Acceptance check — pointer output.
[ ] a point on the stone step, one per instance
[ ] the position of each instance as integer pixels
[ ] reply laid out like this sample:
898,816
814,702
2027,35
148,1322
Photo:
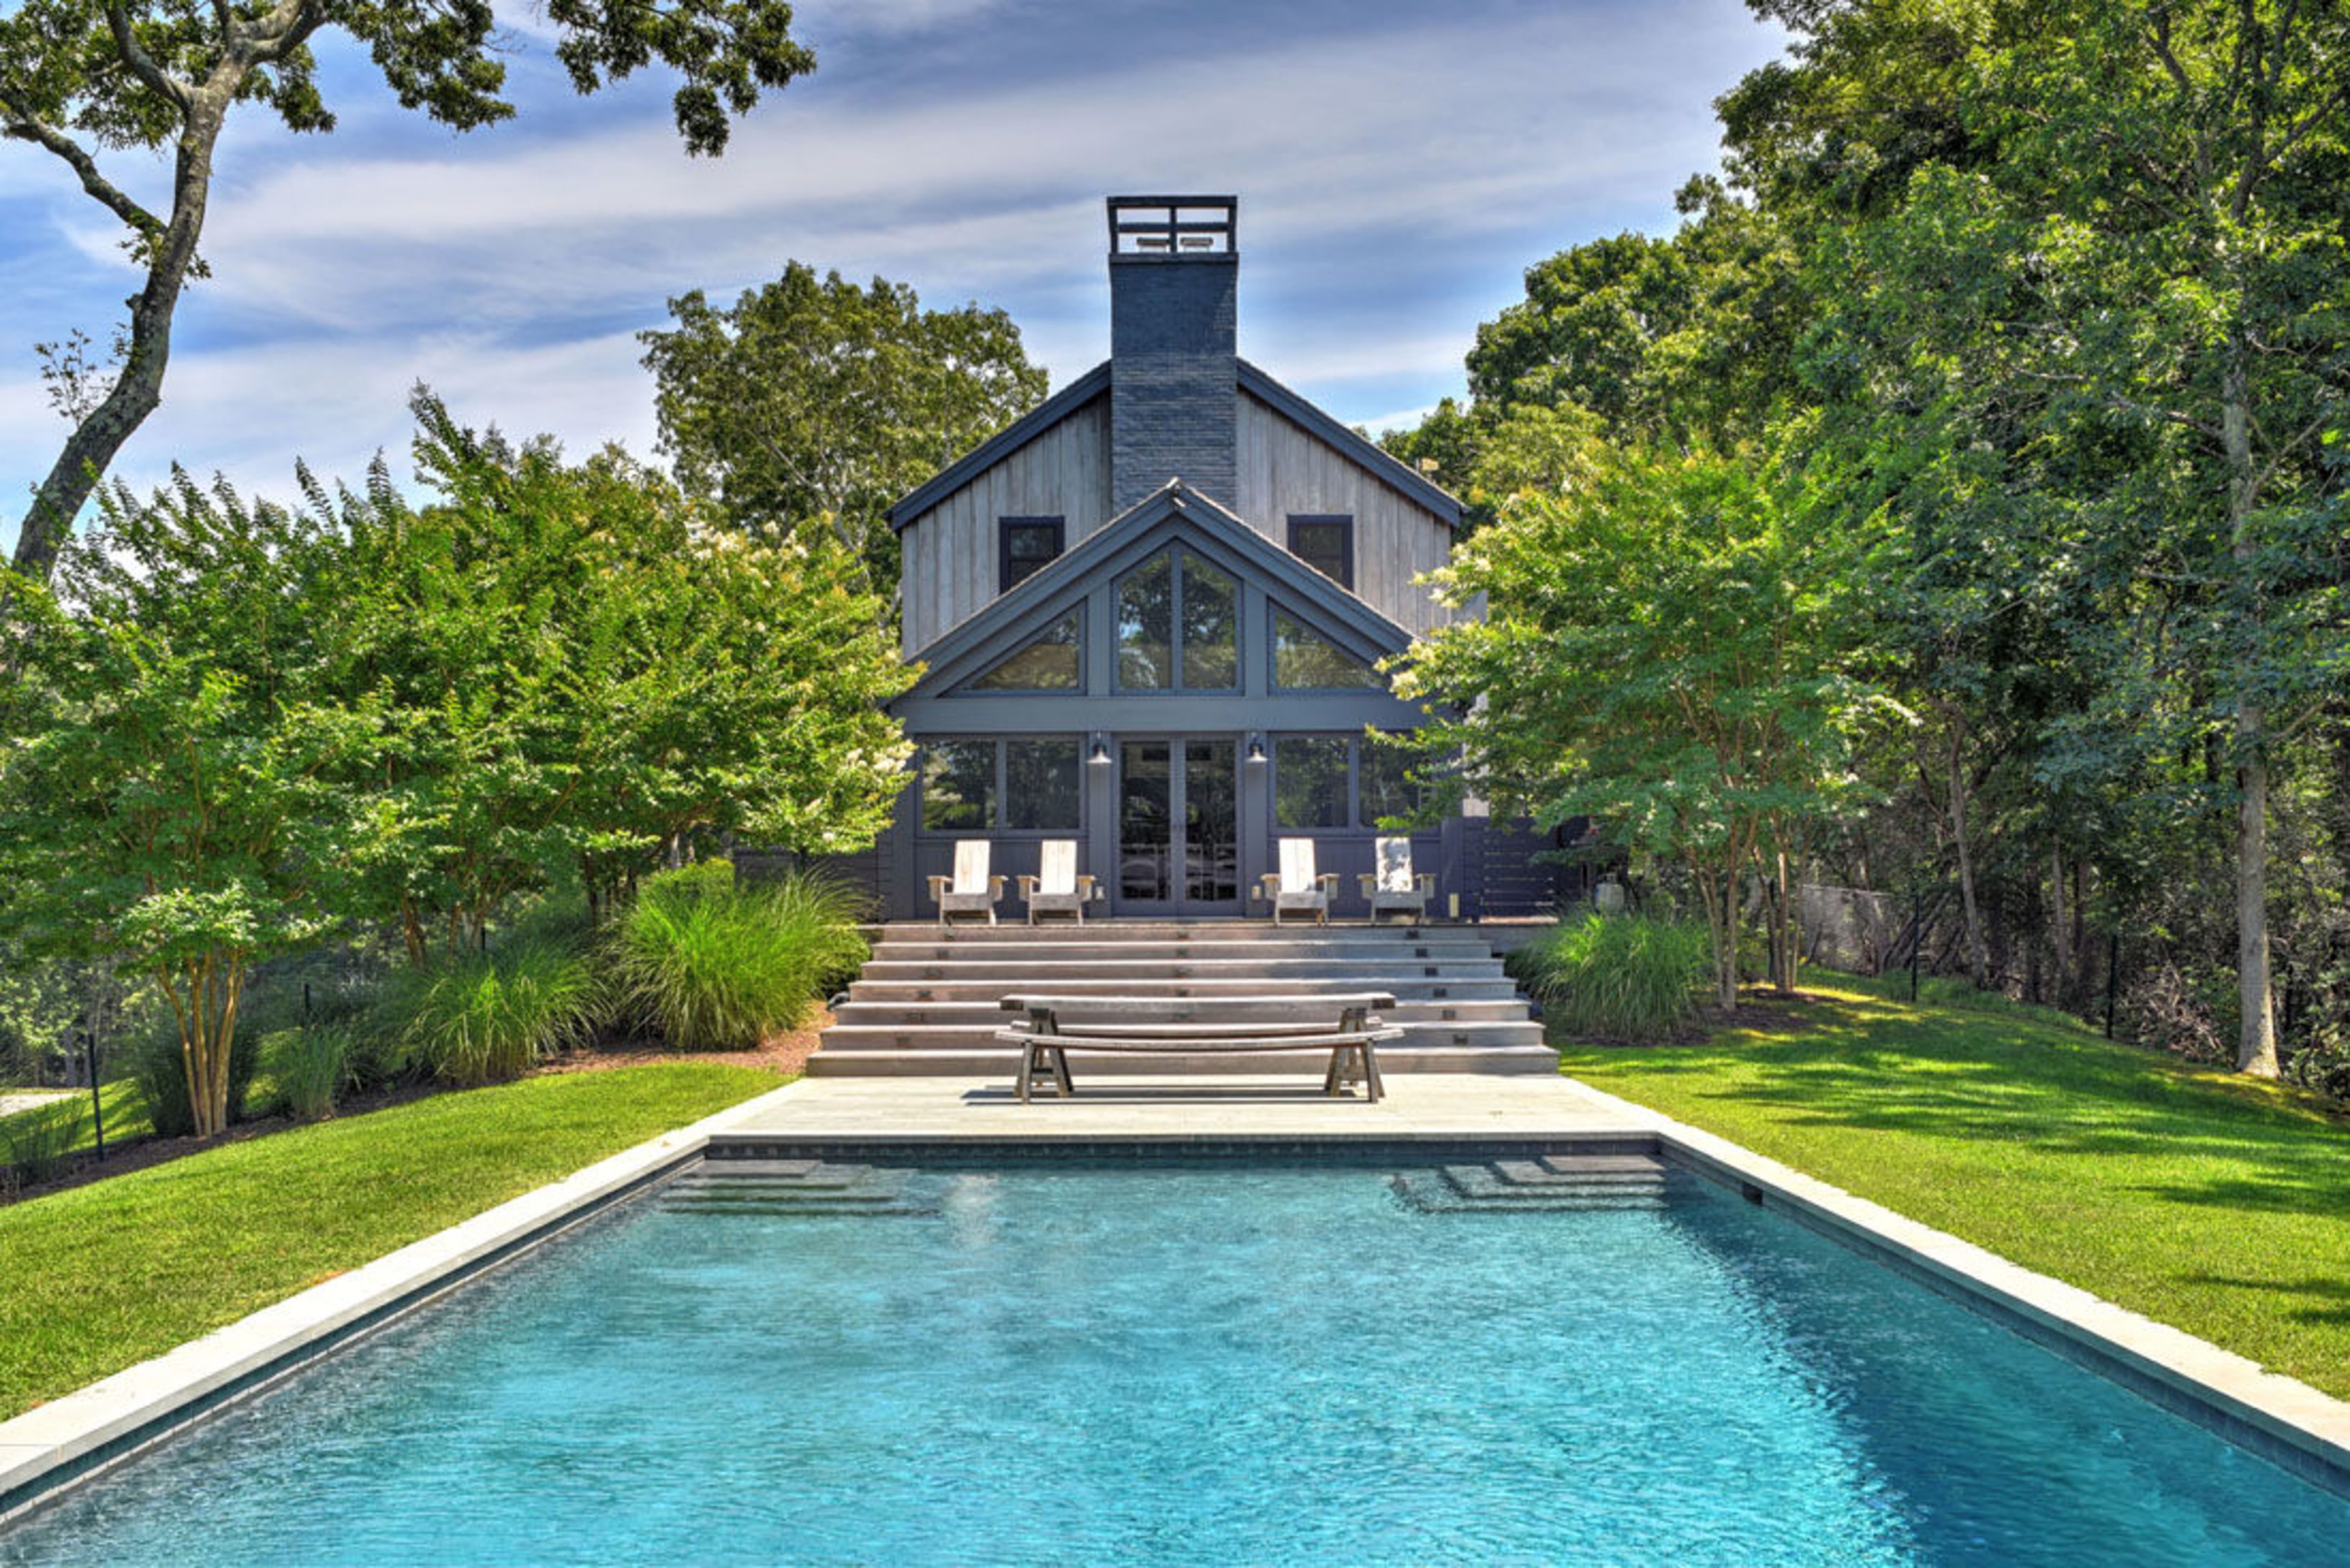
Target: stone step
1429,1192
987,1013
1147,931
990,990
1484,1184
979,1036
1261,944
1002,1062
796,1188
1037,976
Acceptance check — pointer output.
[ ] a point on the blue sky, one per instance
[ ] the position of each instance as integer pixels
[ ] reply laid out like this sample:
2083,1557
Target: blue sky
1398,165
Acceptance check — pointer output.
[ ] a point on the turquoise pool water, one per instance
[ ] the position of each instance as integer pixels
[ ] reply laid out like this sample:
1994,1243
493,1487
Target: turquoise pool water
1191,1365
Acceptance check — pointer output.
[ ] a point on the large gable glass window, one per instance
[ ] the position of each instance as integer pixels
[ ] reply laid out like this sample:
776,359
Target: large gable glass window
1051,664
1305,660
1167,592
1025,546
1025,786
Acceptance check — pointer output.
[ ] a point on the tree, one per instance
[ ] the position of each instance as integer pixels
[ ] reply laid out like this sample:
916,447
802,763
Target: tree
1672,645
814,400
80,77
2100,245
176,789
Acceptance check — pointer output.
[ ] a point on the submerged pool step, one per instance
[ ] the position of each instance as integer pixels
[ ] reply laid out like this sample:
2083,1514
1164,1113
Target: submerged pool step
1553,1184
797,1188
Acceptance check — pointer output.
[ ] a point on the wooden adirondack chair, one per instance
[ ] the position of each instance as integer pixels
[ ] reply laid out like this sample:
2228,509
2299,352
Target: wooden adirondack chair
1394,886
1057,889
1297,887
970,890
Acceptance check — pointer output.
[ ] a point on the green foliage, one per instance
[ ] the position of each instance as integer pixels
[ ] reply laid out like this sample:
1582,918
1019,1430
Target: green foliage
310,1068
37,1145
104,1276
474,1018
1676,645
1623,977
711,966
815,402
152,1059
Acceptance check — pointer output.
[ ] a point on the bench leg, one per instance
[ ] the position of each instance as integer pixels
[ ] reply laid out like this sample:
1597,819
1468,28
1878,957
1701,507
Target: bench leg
1336,1073
1372,1082
1027,1072
1060,1071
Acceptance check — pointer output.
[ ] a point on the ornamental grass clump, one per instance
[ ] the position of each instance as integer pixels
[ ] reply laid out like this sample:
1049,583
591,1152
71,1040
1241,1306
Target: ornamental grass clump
710,965
486,1018
1620,977
311,1068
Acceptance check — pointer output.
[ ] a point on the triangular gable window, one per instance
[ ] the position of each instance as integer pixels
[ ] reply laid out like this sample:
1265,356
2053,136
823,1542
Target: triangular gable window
1051,664
1305,660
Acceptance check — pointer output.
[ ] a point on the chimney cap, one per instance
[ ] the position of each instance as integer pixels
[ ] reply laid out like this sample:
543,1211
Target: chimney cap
1174,228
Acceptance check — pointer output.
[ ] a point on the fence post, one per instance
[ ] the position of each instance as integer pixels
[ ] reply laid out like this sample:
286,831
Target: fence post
1917,935
97,1101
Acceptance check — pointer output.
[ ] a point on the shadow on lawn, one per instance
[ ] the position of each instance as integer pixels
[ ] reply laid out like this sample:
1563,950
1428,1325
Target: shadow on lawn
2302,1297
1993,1080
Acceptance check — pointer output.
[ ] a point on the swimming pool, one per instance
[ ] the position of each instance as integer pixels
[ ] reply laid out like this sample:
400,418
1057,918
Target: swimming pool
1205,1363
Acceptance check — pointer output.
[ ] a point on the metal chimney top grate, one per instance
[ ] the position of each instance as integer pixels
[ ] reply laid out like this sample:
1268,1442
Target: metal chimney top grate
1174,226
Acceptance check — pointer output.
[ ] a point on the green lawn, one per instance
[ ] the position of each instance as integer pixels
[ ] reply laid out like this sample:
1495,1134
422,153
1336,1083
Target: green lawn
100,1277
126,1114
2215,1203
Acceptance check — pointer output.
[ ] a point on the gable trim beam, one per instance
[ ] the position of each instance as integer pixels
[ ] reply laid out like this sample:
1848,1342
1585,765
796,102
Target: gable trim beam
1367,454
1002,445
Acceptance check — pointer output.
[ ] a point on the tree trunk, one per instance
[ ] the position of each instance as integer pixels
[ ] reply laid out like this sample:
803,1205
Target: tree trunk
2256,1041
1978,953
1718,889
138,390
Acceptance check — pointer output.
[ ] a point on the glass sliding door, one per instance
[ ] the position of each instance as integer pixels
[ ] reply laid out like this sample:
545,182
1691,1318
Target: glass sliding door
1178,826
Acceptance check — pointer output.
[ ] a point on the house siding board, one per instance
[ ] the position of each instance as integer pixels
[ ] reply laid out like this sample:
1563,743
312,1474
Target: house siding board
951,548
1285,468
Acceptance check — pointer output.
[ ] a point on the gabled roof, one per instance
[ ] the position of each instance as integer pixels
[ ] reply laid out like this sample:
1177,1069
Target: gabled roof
1137,532
1366,454
1002,444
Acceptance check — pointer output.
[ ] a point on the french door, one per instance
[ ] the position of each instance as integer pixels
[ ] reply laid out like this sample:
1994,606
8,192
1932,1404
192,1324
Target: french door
1178,843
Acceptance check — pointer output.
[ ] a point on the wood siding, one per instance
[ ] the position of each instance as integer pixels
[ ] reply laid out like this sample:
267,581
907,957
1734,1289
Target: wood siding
1283,468
951,550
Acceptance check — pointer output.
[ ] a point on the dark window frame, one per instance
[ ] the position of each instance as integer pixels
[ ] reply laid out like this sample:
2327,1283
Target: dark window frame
1278,610
1000,803
1357,823
971,686
1004,581
1179,673
1345,522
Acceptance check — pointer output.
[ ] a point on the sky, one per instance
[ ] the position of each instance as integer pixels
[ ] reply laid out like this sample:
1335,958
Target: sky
1399,167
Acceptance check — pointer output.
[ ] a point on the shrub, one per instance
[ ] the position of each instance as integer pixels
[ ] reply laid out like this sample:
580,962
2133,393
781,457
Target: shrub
1623,977
715,966
486,1018
156,1065
310,1067
38,1144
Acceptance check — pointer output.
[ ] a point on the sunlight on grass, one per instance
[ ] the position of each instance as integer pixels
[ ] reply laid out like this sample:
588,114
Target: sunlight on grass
2203,1199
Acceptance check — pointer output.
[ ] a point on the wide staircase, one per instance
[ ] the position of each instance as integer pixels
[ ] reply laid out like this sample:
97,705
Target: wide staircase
930,1001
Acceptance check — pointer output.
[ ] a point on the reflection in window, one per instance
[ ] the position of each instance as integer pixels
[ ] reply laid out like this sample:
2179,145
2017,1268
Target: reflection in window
1146,622
1028,545
958,786
1309,781
1047,664
1210,628
1326,545
1040,783
1381,784
1305,660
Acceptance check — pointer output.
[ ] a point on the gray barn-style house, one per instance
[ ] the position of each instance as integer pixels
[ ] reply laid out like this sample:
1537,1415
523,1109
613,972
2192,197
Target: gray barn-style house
1150,613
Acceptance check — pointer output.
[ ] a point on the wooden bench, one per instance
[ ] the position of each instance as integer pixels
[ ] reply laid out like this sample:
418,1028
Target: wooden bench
1342,1023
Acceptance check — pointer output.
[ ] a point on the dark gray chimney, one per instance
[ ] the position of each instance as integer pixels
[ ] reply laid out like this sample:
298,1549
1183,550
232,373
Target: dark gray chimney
1174,267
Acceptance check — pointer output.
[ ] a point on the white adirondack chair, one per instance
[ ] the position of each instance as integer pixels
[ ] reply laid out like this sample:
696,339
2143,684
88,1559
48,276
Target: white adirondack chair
1394,886
970,890
1057,889
1295,886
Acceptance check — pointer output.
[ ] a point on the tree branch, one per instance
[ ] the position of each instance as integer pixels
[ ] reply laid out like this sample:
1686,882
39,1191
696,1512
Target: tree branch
21,126
142,63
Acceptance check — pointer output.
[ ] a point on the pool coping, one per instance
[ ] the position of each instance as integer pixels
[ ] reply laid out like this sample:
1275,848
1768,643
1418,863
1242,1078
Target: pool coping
53,1446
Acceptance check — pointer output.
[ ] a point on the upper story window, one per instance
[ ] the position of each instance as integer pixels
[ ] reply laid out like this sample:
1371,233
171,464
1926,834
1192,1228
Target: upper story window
1326,545
1178,626
1025,545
